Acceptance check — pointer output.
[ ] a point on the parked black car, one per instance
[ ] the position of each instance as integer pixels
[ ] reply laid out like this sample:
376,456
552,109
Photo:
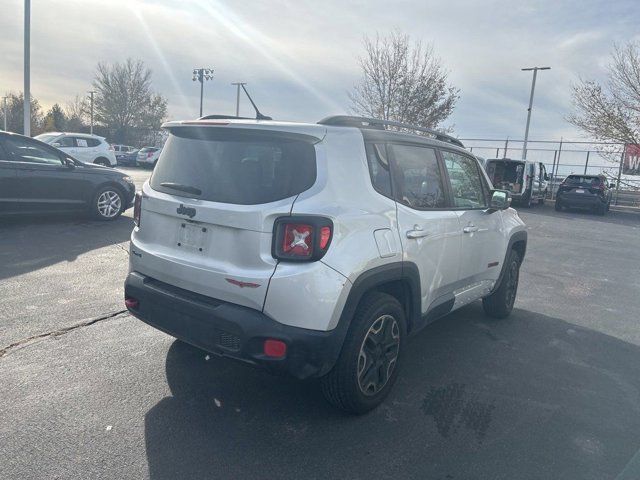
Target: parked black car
128,159
584,191
38,178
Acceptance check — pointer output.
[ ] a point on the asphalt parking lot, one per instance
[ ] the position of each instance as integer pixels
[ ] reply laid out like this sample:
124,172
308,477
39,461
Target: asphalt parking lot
86,391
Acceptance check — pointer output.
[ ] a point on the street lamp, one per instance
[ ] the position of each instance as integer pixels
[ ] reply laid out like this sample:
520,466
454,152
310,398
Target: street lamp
27,68
91,93
200,75
533,87
238,84
5,112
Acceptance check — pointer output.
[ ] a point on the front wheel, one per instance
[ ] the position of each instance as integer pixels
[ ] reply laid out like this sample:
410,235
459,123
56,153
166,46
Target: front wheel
368,364
500,303
558,206
108,204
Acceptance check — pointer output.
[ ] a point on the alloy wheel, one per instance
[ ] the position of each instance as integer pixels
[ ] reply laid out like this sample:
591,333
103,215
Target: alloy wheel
378,355
512,284
109,204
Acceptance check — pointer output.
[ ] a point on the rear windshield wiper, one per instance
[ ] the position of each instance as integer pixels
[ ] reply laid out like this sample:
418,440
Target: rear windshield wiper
182,188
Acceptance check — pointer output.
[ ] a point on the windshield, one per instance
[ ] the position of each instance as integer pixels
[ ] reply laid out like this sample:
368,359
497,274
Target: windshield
240,167
46,138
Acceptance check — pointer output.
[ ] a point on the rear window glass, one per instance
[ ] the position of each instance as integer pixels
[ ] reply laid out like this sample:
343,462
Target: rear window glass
244,167
148,149
584,179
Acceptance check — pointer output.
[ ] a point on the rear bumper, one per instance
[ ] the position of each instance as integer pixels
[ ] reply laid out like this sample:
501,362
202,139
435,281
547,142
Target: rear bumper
584,200
230,330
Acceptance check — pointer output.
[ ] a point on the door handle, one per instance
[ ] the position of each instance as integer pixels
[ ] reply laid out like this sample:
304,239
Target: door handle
470,229
417,232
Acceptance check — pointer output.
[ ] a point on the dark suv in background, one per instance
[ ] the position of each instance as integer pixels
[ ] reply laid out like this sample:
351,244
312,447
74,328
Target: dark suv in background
38,178
584,191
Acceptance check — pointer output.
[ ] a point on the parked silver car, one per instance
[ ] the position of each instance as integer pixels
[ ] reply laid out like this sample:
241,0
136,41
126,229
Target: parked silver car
317,249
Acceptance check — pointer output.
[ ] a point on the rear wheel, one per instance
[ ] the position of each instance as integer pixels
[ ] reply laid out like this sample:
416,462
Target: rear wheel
108,203
368,364
601,210
558,206
527,200
102,161
500,303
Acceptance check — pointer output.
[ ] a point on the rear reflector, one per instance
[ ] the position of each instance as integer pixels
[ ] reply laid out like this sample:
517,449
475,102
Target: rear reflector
275,348
130,302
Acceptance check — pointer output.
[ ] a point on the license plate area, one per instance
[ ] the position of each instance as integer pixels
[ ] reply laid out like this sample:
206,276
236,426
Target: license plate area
579,190
192,236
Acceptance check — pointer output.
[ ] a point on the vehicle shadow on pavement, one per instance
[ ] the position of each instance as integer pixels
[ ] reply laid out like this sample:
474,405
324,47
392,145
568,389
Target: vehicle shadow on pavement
32,243
528,397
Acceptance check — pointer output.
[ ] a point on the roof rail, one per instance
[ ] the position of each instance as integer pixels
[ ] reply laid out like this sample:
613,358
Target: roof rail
223,117
377,124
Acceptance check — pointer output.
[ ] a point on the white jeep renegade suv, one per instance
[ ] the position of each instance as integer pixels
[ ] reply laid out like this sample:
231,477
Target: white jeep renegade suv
317,249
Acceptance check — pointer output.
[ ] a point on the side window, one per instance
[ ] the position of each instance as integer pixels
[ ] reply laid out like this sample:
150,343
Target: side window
81,142
65,142
466,185
93,142
379,168
20,150
418,177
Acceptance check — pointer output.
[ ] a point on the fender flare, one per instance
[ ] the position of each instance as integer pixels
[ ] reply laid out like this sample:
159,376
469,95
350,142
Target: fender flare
407,272
519,236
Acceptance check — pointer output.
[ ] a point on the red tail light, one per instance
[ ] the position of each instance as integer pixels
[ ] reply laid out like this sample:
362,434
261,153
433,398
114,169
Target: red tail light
137,208
299,238
150,154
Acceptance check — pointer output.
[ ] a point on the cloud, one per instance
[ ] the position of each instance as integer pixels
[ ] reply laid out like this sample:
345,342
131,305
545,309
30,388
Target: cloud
300,58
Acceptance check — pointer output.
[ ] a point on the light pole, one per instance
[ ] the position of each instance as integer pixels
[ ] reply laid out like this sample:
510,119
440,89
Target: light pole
238,84
200,75
91,92
27,68
533,87
5,112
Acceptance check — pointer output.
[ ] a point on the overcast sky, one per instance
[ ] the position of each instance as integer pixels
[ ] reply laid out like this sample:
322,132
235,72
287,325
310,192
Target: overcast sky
299,58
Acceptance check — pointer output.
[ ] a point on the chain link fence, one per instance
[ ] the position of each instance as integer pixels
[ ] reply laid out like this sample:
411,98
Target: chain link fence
562,158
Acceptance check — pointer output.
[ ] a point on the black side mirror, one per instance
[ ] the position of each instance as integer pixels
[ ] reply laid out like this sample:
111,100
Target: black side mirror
70,164
500,200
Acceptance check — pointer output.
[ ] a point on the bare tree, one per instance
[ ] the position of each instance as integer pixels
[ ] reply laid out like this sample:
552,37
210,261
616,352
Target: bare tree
125,102
611,112
15,118
403,81
76,112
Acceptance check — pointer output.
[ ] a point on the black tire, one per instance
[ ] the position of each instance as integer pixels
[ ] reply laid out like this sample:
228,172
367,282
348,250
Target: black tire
102,161
360,380
105,206
500,303
527,200
601,210
558,206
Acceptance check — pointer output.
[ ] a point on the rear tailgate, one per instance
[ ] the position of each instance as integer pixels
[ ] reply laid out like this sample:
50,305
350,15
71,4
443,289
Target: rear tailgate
208,211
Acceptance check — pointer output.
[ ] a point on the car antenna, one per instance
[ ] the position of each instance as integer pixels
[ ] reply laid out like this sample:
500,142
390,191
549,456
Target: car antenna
259,116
